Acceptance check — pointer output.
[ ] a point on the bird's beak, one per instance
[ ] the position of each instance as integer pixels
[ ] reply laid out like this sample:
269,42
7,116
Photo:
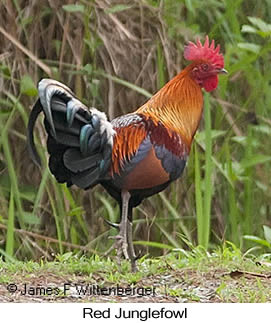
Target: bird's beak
222,71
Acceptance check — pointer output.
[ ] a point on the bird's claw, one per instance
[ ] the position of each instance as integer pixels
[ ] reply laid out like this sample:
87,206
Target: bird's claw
124,240
120,245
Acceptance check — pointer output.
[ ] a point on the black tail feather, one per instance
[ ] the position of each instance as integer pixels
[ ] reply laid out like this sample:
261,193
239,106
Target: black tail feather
79,140
73,160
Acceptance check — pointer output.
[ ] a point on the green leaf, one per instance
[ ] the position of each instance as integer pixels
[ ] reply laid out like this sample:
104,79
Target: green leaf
154,244
258,240
264,34
248,29
249,47
262,25
117,8
27,86
240,139
76,211
267,233
264,129
5,69
200,135
65,257
74,8
88,68
30,218
189,6
255,160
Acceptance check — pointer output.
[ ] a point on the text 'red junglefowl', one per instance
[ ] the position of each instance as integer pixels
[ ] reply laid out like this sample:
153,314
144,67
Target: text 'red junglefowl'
133,156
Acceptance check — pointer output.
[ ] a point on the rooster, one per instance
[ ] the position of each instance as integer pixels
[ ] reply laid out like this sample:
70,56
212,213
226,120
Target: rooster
135,155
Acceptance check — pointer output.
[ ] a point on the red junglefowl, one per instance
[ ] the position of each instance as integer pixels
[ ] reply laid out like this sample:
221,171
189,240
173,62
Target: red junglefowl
133,156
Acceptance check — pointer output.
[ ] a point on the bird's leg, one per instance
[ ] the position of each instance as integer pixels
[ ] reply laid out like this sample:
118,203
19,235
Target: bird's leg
124,240
131,251
130,240
121,243
125,196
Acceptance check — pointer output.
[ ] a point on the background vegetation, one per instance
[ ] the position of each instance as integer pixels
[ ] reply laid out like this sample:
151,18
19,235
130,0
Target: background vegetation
114,55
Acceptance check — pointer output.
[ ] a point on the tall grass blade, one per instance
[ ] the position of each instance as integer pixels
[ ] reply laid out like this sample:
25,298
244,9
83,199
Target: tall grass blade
248,189
10,226
208,186
233,213
199,199
176,215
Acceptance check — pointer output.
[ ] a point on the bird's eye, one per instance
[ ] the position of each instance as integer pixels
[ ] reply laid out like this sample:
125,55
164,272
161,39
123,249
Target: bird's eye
205,67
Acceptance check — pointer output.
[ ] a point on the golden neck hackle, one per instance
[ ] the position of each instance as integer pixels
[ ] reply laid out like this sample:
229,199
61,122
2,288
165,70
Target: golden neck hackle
178,105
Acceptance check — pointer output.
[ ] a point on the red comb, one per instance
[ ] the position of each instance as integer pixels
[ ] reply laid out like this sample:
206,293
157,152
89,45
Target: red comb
193,52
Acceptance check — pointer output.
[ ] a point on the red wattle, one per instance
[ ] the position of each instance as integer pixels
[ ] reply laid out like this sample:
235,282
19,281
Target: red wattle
210,83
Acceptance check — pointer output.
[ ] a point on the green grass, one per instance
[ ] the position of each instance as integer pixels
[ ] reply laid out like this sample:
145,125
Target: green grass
224,193
224,275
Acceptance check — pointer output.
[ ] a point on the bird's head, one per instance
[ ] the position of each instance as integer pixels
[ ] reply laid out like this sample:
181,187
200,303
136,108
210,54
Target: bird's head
207,63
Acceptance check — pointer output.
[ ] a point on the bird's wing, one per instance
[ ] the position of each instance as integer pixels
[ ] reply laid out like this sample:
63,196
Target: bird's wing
80,140
136,135
170,148
130,132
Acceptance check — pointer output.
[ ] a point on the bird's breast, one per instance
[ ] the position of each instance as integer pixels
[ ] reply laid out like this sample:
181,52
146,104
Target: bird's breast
148,173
